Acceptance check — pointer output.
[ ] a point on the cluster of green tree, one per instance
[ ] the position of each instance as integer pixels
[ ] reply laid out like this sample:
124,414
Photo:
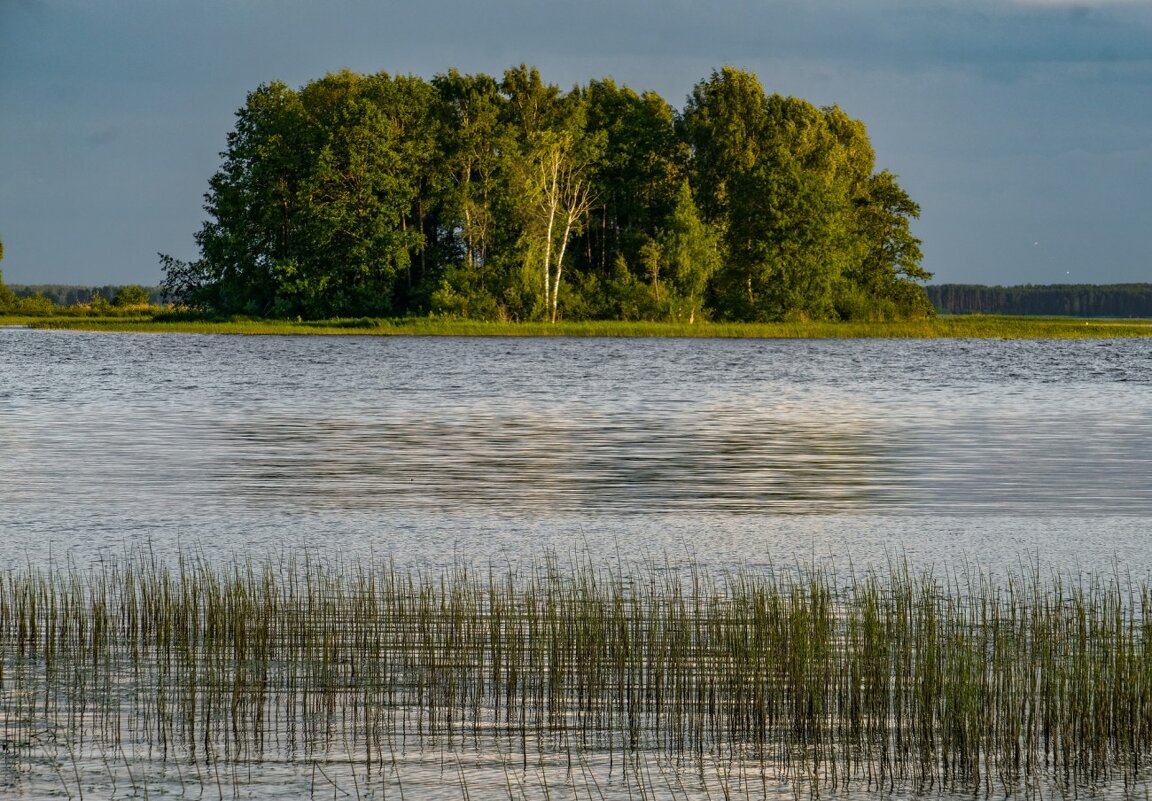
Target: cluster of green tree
70,295
510,199
1071,300
46,299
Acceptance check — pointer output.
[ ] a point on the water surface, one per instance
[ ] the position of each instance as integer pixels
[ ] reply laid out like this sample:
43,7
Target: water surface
430,451
733,451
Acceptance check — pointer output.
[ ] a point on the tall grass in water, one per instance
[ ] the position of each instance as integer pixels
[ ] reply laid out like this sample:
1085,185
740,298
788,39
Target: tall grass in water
902,680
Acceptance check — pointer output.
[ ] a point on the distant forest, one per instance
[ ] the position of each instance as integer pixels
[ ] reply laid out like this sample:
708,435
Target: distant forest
1061,300
1070,300
507,198
68,295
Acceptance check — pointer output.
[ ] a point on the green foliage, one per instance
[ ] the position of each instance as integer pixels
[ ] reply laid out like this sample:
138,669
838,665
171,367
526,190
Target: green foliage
51,300
29,306
7,298
778,178
463,295
689,253
134,295
477,197
65,295
100,304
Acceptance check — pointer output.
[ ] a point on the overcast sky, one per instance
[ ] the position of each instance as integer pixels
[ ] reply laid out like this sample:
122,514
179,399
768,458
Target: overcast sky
1022,127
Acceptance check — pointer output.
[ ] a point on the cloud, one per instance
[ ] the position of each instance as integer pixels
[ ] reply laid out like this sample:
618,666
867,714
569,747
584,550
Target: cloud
104,136
1083,4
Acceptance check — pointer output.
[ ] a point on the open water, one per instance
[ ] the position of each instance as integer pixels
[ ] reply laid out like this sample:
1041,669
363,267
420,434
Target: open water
430,451
436,449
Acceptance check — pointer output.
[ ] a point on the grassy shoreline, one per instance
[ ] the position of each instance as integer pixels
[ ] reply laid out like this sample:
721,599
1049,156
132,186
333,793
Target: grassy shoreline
946,327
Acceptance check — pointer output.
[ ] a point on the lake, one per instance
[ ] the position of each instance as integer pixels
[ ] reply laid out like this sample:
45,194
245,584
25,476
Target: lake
433,449
429,452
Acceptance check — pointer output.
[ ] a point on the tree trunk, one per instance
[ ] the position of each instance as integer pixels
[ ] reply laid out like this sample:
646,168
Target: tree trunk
551,181
560,266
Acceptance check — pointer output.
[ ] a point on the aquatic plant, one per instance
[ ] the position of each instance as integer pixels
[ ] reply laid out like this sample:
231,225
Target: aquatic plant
964,682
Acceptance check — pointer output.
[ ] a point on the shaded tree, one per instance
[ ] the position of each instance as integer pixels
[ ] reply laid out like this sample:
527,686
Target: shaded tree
473,140
766,178
888,271
637,176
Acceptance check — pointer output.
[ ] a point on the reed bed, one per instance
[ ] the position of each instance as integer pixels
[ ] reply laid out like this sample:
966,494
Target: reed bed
880,681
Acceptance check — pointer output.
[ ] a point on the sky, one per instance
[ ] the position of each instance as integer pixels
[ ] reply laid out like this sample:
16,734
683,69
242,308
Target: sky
1023,128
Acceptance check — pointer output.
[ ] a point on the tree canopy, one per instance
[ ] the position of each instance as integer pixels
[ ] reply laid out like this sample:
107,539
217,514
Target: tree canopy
509,198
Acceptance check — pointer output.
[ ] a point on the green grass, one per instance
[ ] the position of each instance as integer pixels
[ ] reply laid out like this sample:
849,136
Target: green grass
970,326
904,679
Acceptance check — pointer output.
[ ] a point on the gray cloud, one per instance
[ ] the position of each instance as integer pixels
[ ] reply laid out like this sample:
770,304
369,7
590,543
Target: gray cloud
104,136
997,114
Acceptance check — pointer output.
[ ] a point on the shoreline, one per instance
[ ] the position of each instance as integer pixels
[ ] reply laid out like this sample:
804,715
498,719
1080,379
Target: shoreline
947,327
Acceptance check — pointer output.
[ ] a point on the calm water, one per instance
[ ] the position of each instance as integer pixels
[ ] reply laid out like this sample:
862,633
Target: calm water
434,449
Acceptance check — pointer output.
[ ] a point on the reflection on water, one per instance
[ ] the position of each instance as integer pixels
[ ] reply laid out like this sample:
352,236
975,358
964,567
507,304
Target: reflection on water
427,446
542,461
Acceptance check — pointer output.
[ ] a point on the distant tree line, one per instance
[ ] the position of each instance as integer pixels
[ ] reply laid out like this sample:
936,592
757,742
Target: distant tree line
507,198
47,299
1071,300
70,295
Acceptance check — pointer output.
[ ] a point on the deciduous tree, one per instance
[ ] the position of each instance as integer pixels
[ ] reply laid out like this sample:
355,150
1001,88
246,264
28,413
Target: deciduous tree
690,250
510,198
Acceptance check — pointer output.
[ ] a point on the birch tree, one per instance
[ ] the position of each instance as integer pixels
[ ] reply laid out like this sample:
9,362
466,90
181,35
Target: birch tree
563,196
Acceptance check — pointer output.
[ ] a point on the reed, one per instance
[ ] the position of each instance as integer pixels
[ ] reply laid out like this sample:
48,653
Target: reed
890,680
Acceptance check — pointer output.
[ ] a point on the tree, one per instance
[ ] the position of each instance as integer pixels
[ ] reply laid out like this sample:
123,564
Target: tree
788,238
311,207
690,252
258,216
549,164
374,194
134,295
412,107
808,231
7,298
723,124
472,138
636,177
766,178
892,254
561,195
